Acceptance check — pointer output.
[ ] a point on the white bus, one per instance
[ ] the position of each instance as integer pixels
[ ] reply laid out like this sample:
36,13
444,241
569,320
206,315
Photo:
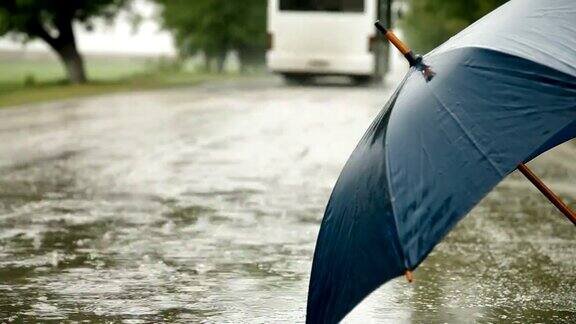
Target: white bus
309,38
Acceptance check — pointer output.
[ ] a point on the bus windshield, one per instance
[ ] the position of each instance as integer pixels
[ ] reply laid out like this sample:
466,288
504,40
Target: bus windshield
322,5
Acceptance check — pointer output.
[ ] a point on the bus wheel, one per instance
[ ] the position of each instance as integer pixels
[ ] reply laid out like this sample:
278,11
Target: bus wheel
296,78
361,80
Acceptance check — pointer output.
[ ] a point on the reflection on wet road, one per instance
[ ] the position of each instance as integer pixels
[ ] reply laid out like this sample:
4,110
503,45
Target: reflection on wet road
203,204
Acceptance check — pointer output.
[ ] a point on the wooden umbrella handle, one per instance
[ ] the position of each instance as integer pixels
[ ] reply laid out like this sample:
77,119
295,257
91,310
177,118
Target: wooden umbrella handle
403,48
554,199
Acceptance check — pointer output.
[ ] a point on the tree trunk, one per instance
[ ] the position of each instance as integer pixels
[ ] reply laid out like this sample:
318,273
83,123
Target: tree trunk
220,61
244,59
251,57
65,46
73,62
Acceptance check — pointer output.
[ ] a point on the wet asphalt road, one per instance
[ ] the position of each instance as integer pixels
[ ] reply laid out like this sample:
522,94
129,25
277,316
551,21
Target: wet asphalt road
203,204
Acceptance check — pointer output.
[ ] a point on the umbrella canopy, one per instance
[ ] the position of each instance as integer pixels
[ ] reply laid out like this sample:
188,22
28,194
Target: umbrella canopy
504,92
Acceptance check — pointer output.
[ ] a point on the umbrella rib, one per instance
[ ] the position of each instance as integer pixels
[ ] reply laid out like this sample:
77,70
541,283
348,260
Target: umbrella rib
469,136
390,194
389,180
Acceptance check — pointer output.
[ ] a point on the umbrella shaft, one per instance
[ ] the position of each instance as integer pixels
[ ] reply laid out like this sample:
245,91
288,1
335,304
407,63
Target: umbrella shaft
554,199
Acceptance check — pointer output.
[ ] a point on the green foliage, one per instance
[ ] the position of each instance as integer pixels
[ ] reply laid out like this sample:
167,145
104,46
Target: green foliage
428,23
28,16
215,27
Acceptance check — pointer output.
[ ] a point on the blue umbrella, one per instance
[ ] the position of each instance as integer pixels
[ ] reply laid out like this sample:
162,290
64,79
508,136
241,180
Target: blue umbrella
504,91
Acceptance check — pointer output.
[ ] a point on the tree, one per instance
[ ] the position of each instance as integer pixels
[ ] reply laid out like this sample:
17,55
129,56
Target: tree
216,27
428,23
52,21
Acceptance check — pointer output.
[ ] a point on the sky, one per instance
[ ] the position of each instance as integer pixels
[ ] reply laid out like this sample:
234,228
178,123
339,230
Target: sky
118,38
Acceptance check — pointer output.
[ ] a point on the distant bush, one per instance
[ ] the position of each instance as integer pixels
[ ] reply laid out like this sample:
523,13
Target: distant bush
217,27
29,80
164,64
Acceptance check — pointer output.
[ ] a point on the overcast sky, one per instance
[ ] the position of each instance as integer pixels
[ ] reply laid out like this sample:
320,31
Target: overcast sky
119,38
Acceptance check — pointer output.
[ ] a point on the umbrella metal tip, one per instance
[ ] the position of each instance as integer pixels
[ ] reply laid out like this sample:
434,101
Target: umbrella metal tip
418,63
428,73
409,276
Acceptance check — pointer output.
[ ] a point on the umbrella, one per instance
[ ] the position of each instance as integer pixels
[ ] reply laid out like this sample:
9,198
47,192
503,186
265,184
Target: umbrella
504,91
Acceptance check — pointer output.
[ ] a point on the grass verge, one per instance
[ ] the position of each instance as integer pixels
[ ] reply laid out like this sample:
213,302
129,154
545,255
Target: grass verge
14,95
34,78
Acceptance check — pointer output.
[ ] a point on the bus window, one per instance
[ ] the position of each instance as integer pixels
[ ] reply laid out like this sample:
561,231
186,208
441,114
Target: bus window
322,5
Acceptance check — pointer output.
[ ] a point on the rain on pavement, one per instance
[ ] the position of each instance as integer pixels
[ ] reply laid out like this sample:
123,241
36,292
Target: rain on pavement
203,205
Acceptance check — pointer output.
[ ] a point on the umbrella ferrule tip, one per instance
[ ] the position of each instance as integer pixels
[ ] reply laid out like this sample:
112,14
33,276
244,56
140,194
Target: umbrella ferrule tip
409,276
428,73
418,63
